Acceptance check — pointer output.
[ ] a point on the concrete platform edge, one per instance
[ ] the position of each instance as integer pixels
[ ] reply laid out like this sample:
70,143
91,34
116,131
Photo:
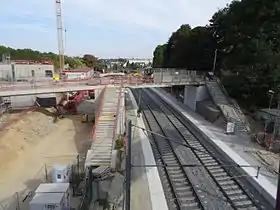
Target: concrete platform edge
158,200
261,183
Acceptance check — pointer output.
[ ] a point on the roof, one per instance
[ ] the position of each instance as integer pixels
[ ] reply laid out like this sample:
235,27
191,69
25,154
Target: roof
47,198
52,188
77,70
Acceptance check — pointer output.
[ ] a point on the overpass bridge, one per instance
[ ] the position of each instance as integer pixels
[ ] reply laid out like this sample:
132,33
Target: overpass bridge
162,78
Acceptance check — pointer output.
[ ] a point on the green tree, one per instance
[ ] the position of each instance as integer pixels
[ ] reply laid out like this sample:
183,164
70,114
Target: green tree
158,58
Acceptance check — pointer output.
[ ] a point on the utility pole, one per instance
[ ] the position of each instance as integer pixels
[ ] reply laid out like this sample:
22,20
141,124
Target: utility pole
271,94
65,40
59,35
215,60
278,186
128,165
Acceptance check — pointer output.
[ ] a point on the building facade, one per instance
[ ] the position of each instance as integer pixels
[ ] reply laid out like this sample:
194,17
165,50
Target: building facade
26,70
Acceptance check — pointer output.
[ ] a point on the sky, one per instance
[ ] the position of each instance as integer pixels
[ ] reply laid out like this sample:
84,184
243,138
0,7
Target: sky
104,28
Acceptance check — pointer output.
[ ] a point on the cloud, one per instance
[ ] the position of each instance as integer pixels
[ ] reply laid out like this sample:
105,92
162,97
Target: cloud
102,27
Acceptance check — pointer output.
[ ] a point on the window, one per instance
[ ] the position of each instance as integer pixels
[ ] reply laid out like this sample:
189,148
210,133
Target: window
59,176
48,73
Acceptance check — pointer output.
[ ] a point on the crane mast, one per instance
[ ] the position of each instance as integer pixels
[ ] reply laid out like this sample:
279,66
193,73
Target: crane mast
59,35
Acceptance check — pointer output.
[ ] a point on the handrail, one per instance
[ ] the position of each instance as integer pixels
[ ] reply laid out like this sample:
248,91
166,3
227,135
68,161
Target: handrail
117,115
236,106
97,113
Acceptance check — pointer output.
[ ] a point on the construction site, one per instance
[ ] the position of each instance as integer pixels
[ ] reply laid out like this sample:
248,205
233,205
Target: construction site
35,138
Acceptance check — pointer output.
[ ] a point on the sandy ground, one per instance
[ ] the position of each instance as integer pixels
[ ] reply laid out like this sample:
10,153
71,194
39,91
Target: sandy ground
33,141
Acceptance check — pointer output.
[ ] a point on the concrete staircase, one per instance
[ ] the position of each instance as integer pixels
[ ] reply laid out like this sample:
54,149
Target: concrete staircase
100,152
229,108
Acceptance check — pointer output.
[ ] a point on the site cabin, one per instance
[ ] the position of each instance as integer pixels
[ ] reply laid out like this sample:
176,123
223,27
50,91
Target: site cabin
56,188
61,173
45,201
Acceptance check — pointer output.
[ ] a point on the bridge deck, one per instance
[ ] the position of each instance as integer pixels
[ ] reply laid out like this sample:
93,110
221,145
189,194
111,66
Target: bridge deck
100,152
27,89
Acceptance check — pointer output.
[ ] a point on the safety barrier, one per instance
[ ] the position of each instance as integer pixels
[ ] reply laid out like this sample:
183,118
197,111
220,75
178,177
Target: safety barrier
125,80
117,115
99,106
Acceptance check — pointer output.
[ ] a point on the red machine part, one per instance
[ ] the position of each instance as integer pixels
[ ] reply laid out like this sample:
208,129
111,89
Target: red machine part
71,104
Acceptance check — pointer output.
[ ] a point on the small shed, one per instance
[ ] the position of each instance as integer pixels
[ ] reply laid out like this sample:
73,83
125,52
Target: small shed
56,188
54,201
61,173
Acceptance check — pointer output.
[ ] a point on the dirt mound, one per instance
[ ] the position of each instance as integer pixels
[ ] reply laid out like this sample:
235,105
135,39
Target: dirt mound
28,130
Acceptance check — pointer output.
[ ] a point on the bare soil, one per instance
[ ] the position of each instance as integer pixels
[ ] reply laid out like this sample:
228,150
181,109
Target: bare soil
33,141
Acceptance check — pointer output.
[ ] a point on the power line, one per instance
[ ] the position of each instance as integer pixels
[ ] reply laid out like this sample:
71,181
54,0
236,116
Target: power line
192,148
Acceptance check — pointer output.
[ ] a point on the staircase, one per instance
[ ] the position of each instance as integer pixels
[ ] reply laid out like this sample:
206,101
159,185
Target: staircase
230,109
100,152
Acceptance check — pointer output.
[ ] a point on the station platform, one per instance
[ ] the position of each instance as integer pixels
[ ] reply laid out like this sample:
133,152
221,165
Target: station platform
231,145
147,190
105,132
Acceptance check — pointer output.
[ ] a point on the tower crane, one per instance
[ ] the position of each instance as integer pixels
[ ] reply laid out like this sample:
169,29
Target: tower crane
59,34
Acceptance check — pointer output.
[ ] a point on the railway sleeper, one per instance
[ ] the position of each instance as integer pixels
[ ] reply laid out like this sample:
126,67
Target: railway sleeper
203,155
211,164
234,192
243,204
222,174
248,208
216,171
239,197
222,178
227,182
229,187
213,167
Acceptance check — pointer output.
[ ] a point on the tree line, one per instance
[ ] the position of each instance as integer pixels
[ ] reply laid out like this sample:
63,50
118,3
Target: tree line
74,62
246,38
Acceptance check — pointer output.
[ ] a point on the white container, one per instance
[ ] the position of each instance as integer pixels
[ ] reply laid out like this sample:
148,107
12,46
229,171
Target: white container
61,173
47,201
230,128
56,188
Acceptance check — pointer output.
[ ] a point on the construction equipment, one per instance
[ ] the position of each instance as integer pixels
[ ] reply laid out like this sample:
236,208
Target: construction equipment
59,35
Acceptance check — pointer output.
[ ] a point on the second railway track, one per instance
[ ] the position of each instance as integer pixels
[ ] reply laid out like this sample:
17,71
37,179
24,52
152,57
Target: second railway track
206,183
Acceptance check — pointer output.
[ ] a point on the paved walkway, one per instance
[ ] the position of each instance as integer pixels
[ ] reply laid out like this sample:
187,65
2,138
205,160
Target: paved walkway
147,191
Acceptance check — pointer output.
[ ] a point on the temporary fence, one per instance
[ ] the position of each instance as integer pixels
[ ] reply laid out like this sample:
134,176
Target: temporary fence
20,200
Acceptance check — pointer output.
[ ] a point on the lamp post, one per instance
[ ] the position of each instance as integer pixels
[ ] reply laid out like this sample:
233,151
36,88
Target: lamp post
271,94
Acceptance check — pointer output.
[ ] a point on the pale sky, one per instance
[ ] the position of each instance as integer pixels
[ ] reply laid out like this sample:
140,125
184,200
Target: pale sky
105,28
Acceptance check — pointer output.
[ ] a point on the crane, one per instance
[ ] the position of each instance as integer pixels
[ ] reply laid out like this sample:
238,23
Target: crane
59,34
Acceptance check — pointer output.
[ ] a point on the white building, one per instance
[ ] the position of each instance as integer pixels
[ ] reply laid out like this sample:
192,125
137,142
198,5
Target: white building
26,70
76,74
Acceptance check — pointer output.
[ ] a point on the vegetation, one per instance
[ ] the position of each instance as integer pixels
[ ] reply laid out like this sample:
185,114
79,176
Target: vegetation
119,143
73,62
245,34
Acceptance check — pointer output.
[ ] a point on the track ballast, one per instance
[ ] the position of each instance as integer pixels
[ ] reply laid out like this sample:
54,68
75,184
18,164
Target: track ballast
195,178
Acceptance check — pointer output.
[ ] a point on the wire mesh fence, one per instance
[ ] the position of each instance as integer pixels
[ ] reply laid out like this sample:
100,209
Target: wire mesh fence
20,200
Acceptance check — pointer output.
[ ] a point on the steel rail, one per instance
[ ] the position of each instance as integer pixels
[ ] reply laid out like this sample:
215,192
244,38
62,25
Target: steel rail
183,191
236,193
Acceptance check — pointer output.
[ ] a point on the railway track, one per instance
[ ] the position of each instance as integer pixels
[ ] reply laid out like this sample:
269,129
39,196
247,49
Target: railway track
209,183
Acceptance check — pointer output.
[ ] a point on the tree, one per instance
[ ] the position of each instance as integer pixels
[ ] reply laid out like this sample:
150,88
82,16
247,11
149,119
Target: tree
29,54
246,35
158,58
